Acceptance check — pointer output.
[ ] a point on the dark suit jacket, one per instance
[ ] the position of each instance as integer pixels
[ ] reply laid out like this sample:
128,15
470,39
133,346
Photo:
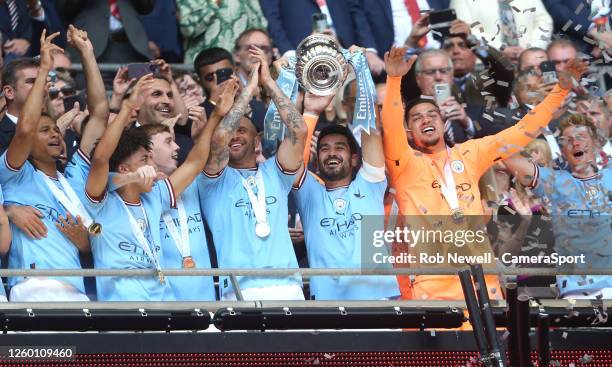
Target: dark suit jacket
162,28
563,10
289,22
7,131
93,16
379,16
24,27
52,23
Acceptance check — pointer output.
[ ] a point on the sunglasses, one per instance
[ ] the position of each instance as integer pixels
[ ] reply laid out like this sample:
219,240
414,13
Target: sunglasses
65,91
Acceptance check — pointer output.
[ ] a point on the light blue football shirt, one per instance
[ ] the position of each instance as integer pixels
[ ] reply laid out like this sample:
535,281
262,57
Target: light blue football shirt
118,248
2,290
332,229
25,186
228,211
188,288
582,220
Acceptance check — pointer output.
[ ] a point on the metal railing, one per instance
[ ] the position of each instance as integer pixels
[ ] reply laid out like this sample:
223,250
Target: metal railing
304,272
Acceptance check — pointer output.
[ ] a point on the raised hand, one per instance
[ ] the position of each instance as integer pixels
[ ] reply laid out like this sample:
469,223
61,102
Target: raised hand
226,98
78,39
570,76
121,82
521,205
395,62
315,105
164,69
264,70
47,49
419,29
137,97
170,122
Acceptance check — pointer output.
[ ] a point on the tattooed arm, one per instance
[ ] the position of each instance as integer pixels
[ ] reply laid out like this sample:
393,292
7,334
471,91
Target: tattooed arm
219,149
291,149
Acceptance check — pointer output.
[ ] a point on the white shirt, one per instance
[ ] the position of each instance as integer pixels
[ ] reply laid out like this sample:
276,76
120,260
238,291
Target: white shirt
12,118
402,24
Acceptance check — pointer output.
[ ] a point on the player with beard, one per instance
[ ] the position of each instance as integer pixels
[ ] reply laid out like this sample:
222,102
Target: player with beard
580,203
183,240
332,211
245,203
29,176
139,204
427,175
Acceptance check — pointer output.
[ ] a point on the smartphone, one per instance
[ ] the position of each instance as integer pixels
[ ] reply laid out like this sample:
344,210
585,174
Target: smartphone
412,51
138,70
440,21
442,92
224,74
549,72
319,22
71,100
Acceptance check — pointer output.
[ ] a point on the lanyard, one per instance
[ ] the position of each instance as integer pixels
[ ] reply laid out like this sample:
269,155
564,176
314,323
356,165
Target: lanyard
182,241
142,240
447,183
68,198
258,203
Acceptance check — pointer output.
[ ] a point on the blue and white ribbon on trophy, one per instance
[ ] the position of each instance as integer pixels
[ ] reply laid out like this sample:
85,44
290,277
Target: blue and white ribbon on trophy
274,129
364,116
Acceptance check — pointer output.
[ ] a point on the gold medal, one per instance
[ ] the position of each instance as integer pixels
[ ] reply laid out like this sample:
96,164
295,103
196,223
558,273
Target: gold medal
188,262
457,215
95,229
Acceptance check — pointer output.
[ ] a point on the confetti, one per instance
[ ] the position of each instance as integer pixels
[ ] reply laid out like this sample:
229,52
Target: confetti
566,25
329,356
589,40
564,335
474,24
503,83
543,30
432,333
488,82
516,9
577,27
586,359
579,8
487,116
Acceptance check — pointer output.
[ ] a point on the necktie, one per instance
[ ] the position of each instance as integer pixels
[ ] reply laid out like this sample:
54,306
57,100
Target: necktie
12,8
415,14
449,134
114,9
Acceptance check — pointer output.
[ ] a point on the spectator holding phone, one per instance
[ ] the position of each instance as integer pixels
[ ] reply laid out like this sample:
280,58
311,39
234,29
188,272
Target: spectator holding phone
511,27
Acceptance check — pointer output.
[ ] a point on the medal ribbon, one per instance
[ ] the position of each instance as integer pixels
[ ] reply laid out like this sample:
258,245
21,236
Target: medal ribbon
138,233
182,242
258,203
447,185
68,198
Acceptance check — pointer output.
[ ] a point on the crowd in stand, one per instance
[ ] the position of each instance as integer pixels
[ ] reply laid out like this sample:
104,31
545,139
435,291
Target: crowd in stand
502,115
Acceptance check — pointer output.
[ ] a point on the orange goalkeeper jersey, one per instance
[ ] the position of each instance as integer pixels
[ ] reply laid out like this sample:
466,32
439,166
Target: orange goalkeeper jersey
415,177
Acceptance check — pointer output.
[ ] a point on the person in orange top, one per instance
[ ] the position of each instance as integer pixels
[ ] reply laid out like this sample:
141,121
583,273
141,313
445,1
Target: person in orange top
433,179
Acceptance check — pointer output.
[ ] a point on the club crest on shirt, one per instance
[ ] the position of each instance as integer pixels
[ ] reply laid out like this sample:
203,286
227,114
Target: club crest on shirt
340,205
141,224
592,192
457,166
251,182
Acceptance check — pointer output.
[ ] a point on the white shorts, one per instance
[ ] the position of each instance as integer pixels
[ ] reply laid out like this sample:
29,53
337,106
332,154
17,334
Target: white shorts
45,290
290,292
604,293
